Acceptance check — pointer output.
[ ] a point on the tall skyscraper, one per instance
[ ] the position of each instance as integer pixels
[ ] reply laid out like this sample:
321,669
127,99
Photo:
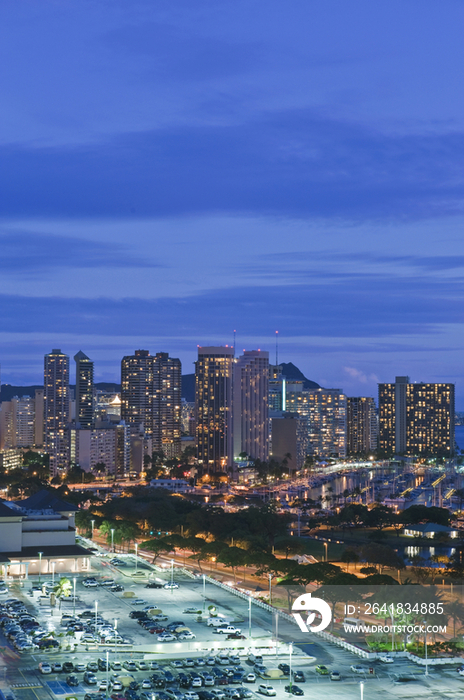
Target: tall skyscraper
56,409
251,405
137,390
151,397
416,419
361,425
326,413
167,375
213,400
84,391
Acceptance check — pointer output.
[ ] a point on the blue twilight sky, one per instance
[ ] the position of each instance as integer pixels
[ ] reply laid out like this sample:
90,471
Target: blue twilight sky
175,170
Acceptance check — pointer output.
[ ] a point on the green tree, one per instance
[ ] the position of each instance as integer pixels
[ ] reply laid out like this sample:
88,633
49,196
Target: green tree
63,589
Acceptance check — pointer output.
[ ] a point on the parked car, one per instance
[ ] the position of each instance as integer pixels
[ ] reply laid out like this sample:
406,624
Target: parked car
335,676
293,690
265,689
249,678
72,681
171,587
90,678
386,659
356,668
45,668
322,670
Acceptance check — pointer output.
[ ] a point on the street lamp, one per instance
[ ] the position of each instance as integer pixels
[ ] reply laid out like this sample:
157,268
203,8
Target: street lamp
136,548
40,565
426,661
249,617
93,525
115,640
107,669
112,539
277,633
290,649
270,589
172,576
74,597
326,547
204,592
361,686
53,572
96,608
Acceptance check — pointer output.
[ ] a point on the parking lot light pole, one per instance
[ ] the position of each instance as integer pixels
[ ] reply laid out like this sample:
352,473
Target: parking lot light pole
361,686
136,548
277,633
270,589
112,539
249,617
96,608
426,661
172,576
204,592
92,522
74,597
52,564
290,648
40,564
115,640
107,669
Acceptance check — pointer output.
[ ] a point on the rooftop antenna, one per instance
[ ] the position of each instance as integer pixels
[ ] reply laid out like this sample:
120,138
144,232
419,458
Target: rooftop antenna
277,347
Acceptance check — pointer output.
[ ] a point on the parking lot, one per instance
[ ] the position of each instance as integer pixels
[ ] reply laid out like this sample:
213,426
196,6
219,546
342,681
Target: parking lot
194,657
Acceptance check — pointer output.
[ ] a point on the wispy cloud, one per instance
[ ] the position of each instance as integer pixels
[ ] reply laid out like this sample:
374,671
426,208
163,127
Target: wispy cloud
37,252
291,163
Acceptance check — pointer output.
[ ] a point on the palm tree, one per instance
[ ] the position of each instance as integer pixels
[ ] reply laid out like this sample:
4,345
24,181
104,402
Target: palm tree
62,589
455,609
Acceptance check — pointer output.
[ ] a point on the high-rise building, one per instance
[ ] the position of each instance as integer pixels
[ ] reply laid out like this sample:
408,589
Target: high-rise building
167,377
106,444
151,399
39,403
56,409
251,405
84,391
213,400
361,425
326,413
137,391
416,418
290,439
17,421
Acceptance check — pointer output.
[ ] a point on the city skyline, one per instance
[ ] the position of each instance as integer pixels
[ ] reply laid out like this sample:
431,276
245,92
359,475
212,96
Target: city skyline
175,172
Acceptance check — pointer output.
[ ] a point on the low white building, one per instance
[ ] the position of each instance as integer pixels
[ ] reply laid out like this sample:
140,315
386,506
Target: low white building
39,534
174,485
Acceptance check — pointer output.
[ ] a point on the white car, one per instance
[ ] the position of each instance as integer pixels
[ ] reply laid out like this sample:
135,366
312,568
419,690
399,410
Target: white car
116,685
266,689
461,671
146,684
356,668
191,695
143,666
171,587
45,668
166,638
387,659
186,635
